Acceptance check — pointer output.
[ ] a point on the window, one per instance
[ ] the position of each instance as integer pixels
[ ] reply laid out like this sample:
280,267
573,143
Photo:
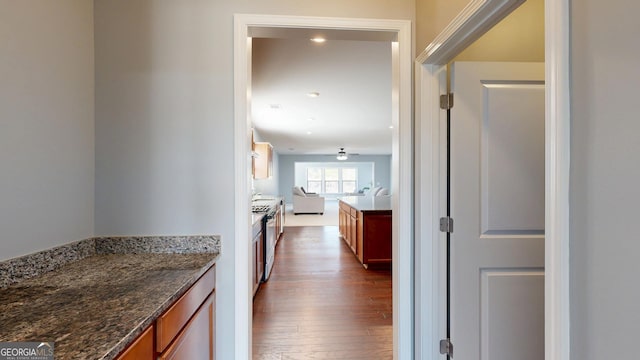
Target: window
349,180
314,180
332,180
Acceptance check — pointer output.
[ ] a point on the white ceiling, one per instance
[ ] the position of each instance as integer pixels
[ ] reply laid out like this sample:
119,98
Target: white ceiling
353,78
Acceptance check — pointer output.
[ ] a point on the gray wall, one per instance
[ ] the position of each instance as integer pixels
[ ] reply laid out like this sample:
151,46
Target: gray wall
605,178
164,119
46,124
382,169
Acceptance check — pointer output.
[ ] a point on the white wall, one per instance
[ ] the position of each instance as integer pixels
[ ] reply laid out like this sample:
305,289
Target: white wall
164,118
46,124
605,178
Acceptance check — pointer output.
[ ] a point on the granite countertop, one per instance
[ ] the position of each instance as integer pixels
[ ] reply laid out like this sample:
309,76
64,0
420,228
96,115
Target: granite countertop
94,307
369,203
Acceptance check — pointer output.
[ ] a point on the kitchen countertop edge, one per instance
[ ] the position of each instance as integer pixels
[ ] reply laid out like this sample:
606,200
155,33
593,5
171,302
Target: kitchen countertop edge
139,329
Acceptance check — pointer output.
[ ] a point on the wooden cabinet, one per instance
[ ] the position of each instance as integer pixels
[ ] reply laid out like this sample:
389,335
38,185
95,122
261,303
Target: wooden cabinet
142,347
258,256
184,331
367,233
197,339
376,239
263,161
343,221
348,224
353,229
176,317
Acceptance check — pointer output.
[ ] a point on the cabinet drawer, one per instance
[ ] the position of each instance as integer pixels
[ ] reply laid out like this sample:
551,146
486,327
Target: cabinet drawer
176,317
141,349
196,341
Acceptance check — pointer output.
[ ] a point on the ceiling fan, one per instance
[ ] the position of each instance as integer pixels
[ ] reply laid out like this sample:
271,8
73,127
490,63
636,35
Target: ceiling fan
342,155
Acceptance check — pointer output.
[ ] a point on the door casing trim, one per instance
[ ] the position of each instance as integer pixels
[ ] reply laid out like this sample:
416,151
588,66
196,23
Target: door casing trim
401,178
475,19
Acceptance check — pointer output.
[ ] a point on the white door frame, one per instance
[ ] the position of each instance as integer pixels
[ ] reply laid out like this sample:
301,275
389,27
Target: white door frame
475,19
401,178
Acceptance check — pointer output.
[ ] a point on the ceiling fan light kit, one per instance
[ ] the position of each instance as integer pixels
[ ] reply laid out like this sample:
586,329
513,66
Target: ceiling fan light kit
342,155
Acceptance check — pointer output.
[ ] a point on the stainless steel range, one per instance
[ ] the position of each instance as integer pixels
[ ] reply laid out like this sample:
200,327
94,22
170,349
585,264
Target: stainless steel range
269,233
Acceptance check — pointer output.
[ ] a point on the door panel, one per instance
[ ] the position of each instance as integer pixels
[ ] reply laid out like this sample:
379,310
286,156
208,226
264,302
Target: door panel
511,296
497,203
512,157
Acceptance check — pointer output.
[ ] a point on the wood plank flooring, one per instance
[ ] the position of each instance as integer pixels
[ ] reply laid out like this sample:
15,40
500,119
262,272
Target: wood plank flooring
320,303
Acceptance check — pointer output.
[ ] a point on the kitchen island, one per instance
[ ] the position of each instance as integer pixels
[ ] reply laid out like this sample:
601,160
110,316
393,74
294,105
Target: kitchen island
365,226
97,306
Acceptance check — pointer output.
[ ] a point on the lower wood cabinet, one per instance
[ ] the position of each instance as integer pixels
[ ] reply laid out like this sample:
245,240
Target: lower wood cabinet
184,331
258,261
196,341
367,233
142,348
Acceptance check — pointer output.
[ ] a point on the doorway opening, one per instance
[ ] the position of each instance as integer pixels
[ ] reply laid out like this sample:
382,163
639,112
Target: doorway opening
477,18
402,161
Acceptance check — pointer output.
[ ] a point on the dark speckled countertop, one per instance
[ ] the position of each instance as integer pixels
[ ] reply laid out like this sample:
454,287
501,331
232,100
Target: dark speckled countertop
94,307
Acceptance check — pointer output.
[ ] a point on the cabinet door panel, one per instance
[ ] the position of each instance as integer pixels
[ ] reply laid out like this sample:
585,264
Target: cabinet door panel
141,349
169,324
197,339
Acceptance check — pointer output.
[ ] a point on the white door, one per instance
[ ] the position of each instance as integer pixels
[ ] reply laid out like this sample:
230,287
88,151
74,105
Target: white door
497,204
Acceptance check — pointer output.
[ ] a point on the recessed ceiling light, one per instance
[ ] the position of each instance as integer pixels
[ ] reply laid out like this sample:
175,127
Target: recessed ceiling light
310,119
318,40
390,126
308,132
313,94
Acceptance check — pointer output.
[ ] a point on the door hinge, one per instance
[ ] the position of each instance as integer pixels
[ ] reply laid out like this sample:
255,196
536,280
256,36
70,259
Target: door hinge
446,101
446,347
446,224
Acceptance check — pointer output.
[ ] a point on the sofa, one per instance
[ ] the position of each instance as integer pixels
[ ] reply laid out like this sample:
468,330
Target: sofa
306,203
378,191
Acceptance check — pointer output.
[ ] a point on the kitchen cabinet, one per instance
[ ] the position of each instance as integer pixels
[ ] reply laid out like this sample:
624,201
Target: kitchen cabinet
186,330
258,255
353,227
196,341
141,348
347,224
342,222
365,226
263,160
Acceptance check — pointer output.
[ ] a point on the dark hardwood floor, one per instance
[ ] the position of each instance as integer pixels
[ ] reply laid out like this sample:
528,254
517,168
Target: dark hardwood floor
320,303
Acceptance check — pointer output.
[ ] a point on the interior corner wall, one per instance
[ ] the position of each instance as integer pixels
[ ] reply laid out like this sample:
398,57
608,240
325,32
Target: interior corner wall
605,173
165,121
47,124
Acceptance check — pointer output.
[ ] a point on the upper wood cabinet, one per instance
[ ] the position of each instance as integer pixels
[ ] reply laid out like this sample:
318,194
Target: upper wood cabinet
263,161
